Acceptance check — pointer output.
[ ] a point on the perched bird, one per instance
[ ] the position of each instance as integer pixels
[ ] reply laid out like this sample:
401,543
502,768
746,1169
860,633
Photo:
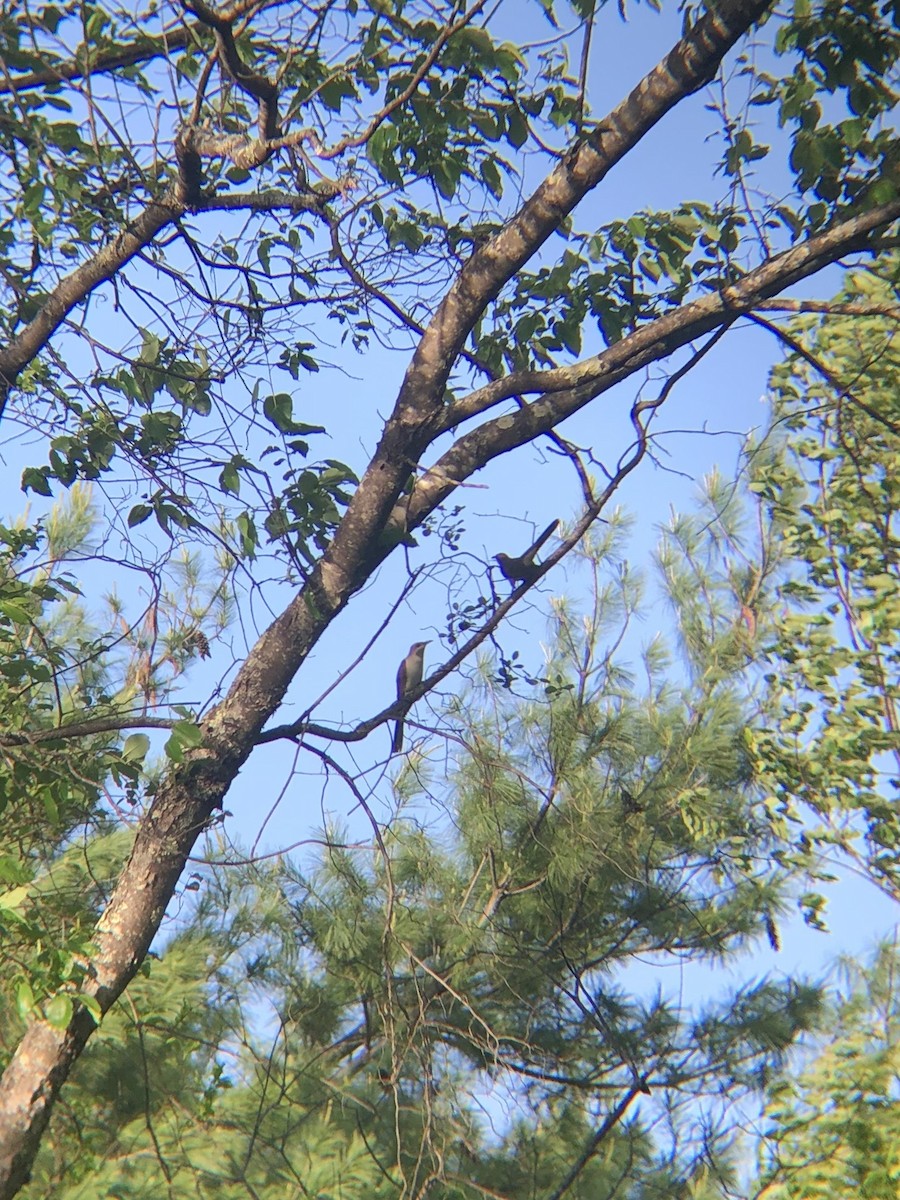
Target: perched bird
409,676
630,804
523,569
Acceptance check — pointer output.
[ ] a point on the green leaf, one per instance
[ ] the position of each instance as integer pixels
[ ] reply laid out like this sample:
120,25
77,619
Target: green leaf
230,480
492,177
174,750
135,747
517,128
279,409
15,612
189,733
35,479
509,63
13,898
92,1004
58,1012
24,1000
277,524
336,91
138,514
185,736
248,534
446,174
150,347
380,152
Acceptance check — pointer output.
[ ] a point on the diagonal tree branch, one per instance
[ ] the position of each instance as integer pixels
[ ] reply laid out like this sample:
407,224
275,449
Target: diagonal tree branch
595,1141
657,340
691,64
418,412
72,290
109,60
841,390
88,63
808,257
108,261
831,308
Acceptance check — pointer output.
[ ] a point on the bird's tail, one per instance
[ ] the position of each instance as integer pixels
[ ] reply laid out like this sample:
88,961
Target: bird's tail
542,538
397,744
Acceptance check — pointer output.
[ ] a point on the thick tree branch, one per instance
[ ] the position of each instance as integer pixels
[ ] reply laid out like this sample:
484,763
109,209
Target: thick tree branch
107,262
80,729
74,288
771,277
109,60
270,200
691,64
831,308
262,89
88,62
646,345
418,412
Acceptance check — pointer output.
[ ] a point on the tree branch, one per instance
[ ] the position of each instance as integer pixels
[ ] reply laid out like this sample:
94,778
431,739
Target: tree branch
594,1143
84,64
841,390
110,60
691,63
78,729
652,342
418,412
74,288
831,308
748,293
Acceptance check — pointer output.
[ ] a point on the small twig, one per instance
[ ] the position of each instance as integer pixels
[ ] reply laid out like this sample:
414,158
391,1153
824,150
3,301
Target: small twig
830,378
594,1143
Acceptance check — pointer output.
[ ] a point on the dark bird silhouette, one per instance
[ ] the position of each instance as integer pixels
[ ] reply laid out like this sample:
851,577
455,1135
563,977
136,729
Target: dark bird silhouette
409,676
523,569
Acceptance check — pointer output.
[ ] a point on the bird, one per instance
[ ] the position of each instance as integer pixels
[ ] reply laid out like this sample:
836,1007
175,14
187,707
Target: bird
409,676
523,569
